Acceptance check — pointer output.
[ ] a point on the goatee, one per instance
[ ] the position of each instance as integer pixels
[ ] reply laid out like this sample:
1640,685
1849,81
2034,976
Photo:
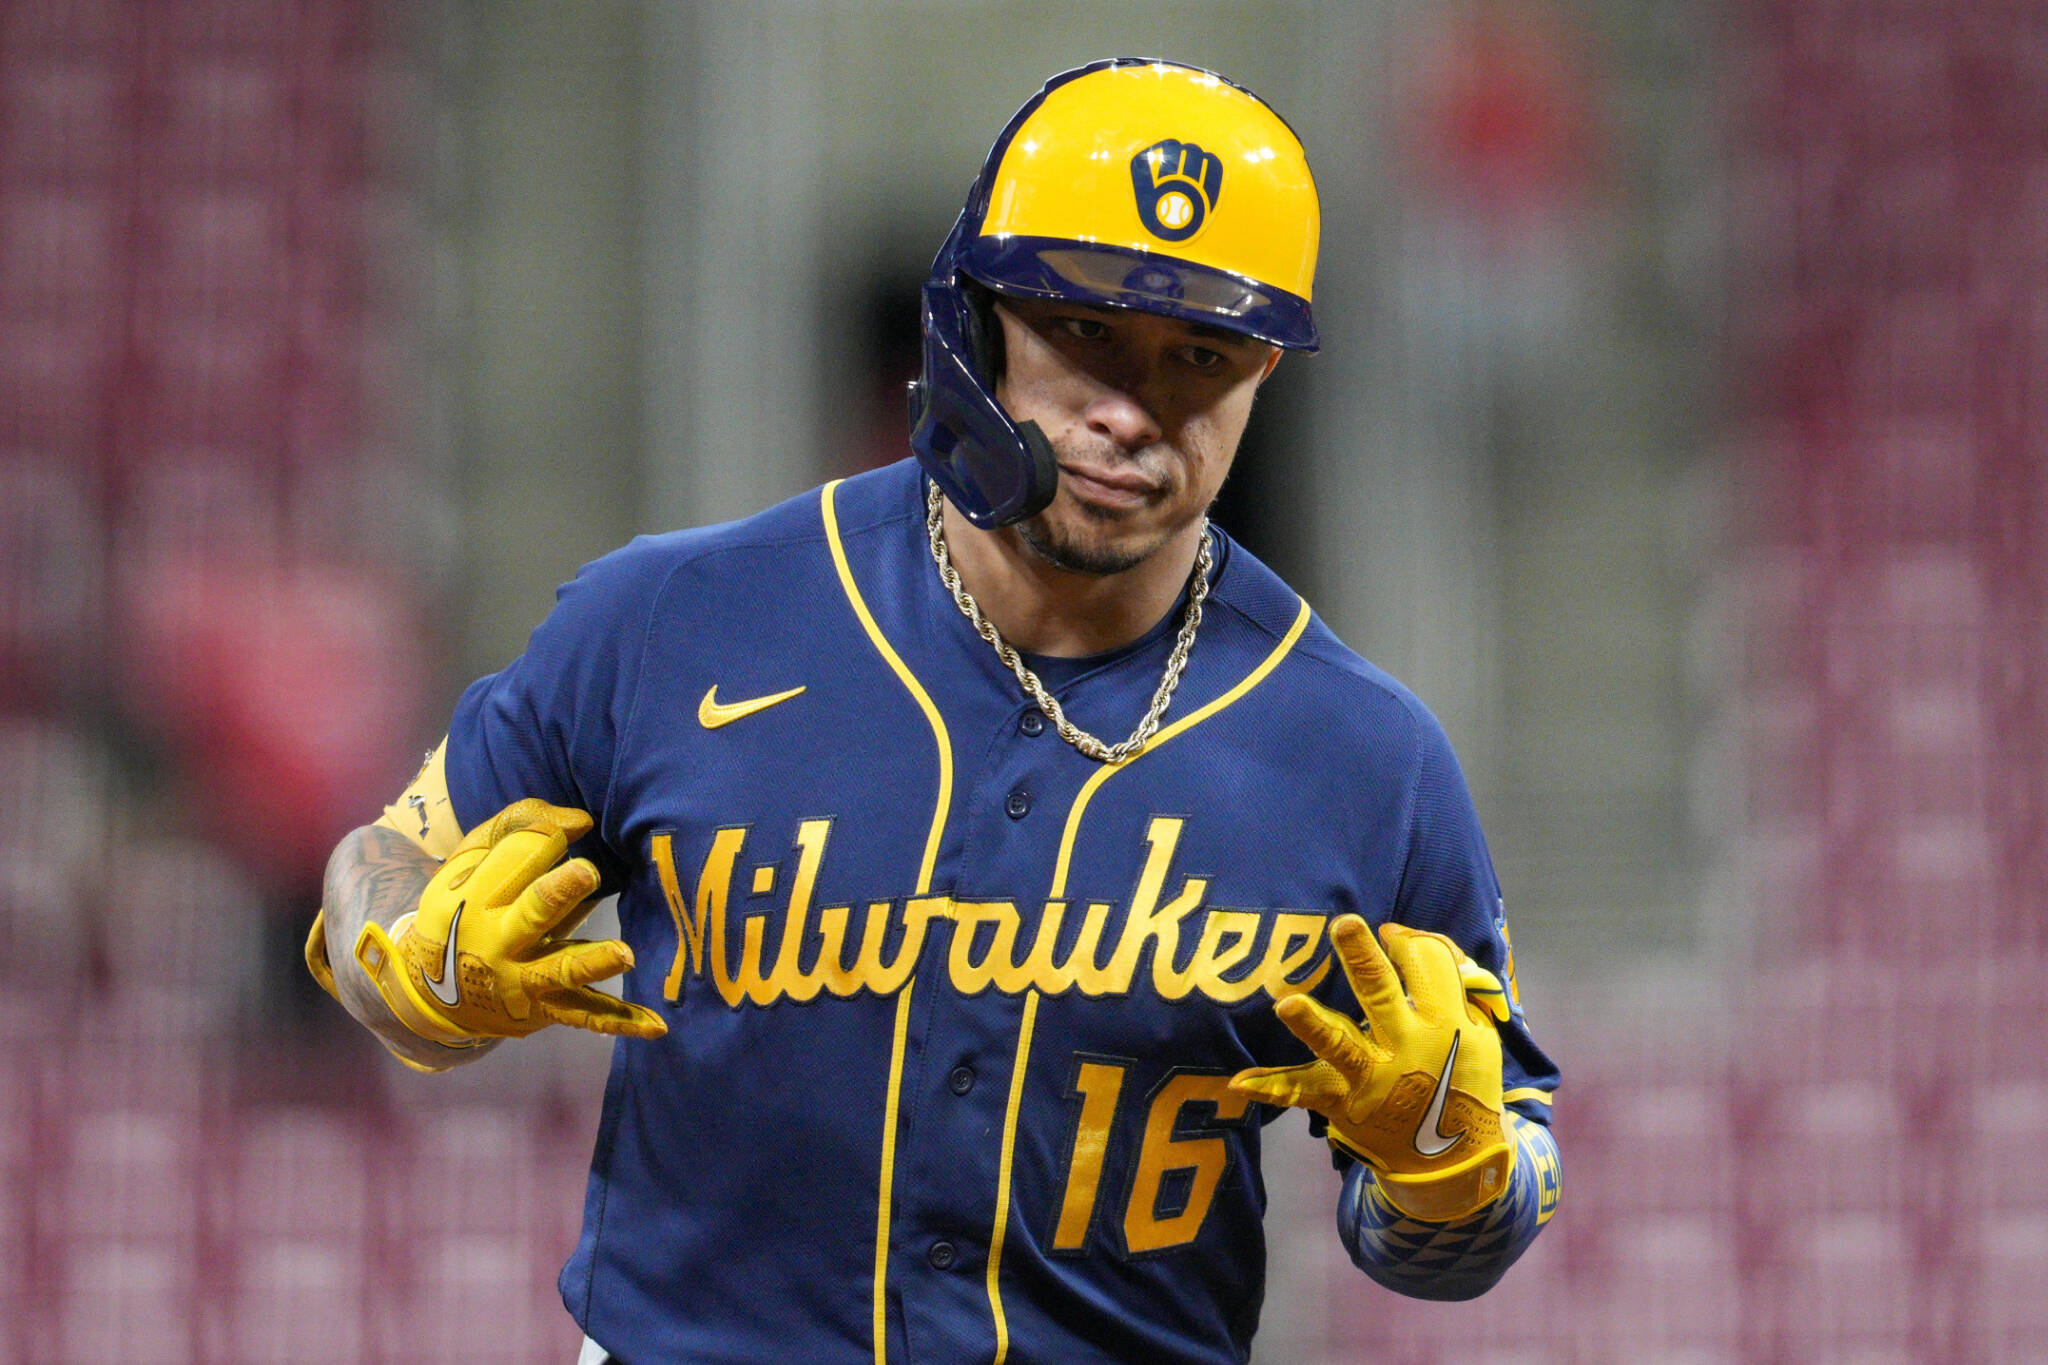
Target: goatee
1077,555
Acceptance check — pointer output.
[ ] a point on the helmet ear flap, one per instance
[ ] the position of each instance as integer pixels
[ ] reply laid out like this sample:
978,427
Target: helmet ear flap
987,353
984,332
986,348
994,470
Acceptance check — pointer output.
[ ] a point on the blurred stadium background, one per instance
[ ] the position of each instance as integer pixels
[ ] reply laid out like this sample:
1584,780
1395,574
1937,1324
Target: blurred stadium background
1679,435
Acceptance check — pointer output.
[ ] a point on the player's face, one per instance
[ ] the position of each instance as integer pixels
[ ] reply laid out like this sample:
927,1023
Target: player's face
1144,414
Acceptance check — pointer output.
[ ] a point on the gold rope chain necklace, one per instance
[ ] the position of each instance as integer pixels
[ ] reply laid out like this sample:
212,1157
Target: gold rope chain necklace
1198,592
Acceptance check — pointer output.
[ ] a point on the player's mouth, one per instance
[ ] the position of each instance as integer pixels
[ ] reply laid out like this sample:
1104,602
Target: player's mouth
1122,488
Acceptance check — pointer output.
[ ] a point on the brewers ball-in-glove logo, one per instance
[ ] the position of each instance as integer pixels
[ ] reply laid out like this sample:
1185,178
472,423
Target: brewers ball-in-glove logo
1177,184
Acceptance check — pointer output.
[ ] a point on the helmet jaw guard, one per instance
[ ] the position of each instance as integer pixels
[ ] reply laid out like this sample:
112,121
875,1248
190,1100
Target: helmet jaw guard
1111,200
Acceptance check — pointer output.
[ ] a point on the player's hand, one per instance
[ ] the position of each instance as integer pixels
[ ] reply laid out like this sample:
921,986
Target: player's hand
1416,1093
479,958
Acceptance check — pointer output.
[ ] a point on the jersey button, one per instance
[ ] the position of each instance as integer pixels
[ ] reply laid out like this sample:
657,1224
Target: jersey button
1033,724
962,1079
942,1255
1017,804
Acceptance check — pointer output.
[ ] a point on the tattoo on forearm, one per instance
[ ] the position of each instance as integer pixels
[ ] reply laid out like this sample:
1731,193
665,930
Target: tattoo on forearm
375,874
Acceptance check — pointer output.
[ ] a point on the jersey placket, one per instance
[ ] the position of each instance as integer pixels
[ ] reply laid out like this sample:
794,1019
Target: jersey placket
957,1141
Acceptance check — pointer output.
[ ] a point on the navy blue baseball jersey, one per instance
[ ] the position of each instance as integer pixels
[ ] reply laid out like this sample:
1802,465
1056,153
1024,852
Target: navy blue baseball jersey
951,1006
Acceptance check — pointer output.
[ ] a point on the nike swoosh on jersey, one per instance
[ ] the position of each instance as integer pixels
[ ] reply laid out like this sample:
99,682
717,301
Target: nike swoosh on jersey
712,713
1429,1137
448,981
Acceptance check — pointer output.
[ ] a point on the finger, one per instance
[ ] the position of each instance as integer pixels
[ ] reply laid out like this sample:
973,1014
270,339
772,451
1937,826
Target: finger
571,922
1428,964
578,963
529,813
534,813
1373,979
1312,1085
1483,990
513,863
600,1013
1327,1033
553,897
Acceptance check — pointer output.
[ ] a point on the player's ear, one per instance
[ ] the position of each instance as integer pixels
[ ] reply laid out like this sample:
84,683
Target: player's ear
1272,362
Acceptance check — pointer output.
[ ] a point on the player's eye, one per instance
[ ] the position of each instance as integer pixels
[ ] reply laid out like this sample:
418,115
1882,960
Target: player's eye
1087,329
1204,359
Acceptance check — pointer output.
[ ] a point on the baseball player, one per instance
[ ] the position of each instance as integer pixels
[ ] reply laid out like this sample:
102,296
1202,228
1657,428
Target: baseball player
999,847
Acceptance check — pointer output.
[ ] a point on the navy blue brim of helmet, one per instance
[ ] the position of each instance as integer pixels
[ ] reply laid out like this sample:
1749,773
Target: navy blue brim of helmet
1122,277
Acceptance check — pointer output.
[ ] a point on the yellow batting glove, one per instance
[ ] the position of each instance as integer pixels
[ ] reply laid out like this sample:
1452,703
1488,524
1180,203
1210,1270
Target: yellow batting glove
479,958
1416,1093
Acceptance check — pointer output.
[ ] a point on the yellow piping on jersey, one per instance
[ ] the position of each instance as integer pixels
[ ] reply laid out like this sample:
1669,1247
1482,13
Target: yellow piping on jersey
888,1186
1527,1092
910,683
906,677
995,1241
1187,722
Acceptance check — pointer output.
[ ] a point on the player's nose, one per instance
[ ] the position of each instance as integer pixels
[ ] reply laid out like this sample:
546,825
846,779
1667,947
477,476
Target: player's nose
1122,418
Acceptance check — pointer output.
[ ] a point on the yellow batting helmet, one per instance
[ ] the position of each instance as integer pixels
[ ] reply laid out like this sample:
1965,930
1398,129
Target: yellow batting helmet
1127,183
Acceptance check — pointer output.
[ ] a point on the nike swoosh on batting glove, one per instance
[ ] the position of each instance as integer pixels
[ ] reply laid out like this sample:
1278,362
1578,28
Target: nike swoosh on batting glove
479,957
1416,1092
